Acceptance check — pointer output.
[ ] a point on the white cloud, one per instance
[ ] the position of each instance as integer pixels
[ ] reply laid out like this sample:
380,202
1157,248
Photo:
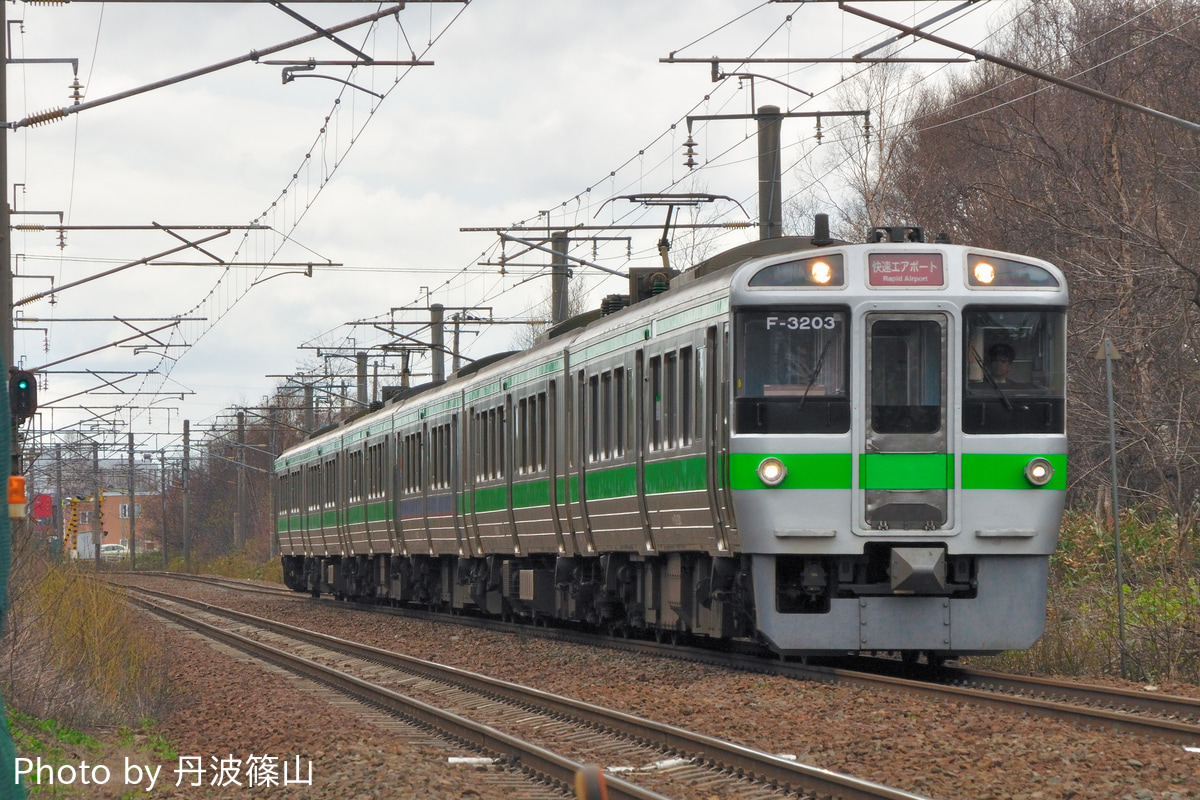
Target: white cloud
529,104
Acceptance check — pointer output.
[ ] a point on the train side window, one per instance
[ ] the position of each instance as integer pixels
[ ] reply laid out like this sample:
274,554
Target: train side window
331,484
687,396
655,404
521,435
436,435
380,460
496,431
354,478
502,449
418,464
535,432
542,432
488,440
671,400
593,418
606,415
434,452
619,409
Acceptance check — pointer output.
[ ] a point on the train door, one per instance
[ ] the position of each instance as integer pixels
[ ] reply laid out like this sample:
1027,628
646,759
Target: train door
509,457
397,444
584,542
458,483
555,472
638,396
713,404
906,467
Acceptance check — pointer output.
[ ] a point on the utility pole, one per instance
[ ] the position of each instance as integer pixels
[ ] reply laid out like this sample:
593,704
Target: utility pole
437,341
6,274
187,533
360,362
239,522
132,508
162,492
770,188
97,514
58,493
558,281
770,180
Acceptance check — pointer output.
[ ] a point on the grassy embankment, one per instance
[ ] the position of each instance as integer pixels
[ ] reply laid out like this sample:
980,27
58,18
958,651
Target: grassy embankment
83,678
1161,575
77,658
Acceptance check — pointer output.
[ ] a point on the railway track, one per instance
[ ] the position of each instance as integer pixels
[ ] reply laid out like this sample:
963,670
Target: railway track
526,727
1167,717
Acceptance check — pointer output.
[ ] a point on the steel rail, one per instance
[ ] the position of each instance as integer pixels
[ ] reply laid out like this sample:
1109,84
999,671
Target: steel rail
536,761
1104,696
1086,715
716,753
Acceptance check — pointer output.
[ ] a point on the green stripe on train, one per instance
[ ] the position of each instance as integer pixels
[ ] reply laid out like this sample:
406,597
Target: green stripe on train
905,471
980,471
1007,470
804,470
374,512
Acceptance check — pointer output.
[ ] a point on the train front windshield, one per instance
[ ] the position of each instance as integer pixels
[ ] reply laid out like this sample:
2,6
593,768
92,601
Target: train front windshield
1014,371
792,368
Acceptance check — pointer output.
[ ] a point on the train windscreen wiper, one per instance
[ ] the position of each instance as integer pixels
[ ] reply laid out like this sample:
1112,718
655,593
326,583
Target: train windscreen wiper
988,375
813,377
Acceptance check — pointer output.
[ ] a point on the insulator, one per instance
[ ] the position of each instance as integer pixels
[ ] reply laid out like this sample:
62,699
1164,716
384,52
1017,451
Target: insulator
690,152
27,227
75,86
46,2
46,116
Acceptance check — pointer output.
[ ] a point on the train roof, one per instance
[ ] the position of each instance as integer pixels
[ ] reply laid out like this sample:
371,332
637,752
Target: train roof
588,332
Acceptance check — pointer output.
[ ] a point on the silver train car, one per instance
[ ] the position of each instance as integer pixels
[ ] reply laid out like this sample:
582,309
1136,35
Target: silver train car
824,447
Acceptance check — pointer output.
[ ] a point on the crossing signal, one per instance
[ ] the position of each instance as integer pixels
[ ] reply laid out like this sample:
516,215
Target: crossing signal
22,394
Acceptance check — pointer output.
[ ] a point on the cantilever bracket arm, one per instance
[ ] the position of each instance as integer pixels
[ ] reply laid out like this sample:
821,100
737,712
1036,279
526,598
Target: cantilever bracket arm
186,246
327,34
289,75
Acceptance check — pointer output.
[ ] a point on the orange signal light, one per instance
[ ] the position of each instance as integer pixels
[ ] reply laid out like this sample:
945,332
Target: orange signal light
16,496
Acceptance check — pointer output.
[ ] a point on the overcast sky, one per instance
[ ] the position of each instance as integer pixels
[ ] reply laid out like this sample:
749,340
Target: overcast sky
535,112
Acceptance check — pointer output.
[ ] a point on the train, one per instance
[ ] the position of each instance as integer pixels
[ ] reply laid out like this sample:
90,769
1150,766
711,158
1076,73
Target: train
818,446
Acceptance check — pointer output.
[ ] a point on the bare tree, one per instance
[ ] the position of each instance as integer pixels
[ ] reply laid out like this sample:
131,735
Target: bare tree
850,167
1111,196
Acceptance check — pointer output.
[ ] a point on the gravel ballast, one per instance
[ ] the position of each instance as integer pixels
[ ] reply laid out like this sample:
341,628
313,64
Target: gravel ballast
225,707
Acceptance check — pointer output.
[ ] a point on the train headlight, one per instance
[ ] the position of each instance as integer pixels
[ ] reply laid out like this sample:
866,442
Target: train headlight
984,272
1039,471
821,272
771,471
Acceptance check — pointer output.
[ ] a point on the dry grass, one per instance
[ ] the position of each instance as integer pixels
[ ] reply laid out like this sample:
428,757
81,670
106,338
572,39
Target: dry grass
247,565
1161,603
75,651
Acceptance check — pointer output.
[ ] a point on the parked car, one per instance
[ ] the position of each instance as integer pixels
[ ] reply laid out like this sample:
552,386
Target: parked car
113,552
